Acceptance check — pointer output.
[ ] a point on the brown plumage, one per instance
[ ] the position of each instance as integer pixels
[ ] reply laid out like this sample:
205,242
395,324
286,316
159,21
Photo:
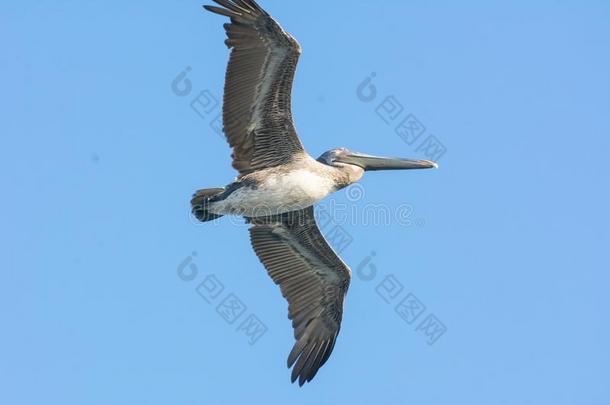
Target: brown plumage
257,116
312,278
258,125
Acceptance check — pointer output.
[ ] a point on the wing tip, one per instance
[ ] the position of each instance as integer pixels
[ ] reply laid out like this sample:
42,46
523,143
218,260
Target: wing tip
310,355
237,7
221,11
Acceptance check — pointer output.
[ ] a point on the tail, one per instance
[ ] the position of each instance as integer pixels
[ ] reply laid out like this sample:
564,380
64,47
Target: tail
200,201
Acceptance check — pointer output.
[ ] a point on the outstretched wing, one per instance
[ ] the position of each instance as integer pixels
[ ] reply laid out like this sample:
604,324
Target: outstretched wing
257,115
311,277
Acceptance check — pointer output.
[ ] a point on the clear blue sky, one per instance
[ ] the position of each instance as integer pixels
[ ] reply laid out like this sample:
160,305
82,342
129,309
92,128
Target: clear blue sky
505,245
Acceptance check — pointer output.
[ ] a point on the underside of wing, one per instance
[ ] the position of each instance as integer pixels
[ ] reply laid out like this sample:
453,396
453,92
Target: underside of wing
312,278
257,113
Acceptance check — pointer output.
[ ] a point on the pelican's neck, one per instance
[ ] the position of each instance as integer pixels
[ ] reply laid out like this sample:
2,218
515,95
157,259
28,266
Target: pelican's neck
342,174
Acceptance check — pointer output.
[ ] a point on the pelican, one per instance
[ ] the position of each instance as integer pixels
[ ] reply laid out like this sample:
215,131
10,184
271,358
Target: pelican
278,182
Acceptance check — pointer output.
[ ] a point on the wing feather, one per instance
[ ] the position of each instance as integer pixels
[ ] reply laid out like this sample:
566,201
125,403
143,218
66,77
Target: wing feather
312,278
257,114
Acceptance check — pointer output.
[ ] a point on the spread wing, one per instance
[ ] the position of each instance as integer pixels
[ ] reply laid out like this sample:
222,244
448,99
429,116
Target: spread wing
257,115
312,278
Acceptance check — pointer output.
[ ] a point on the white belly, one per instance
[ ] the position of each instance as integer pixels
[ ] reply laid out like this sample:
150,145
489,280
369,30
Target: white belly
276,194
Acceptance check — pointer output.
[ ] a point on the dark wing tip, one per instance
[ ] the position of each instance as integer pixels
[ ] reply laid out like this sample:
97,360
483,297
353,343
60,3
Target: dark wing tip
236,7
312,355
222,11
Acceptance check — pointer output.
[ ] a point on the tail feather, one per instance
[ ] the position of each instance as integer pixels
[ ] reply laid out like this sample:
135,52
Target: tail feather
200,201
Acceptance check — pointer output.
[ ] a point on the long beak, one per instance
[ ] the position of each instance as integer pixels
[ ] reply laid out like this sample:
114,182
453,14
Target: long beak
369,163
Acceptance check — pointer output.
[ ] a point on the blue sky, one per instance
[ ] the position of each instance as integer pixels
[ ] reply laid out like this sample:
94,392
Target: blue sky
503,248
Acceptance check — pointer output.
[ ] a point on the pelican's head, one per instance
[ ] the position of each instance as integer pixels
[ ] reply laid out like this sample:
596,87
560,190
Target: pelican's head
354,164
341,157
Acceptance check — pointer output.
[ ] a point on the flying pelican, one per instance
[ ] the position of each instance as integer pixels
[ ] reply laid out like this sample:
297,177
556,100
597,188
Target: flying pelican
278,181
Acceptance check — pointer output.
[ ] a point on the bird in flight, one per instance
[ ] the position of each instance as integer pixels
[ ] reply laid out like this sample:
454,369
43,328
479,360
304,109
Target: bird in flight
278,182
